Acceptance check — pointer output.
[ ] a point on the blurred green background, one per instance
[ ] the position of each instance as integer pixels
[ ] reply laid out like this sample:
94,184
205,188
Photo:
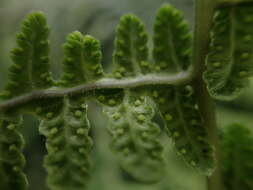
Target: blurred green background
99,18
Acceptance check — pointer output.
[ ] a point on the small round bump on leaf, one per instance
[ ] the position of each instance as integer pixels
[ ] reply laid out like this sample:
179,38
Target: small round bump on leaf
99,72
112,102
69,60
144,135
11,126
44,42
126,151
243,74
155,94
120,132
248,18
248,38
84,169
157,68
81,131
144,64
122,69
119,54
141,118
163,65
84,106
118,75
101,98
44,59
193,163
161,100
81,150
38,110
53,131
78,113
245,56
49,115
183,151
16,168
200,138
12,147
116,116
5,93
219,48
43,75
193,122
137,103
168,117
48,79
217,64
176,134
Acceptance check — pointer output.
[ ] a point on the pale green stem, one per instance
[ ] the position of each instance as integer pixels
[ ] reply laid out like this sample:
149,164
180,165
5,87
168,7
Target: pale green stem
105,83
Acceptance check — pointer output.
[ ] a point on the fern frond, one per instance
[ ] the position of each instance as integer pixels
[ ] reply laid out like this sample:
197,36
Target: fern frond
129,96
135,137
172,40
237,152
82,60
130,57
130,113
229,62
12,160
178,107
69,145
30,70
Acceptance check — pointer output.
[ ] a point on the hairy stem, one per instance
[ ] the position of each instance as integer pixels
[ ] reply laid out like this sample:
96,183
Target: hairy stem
106,83
203,21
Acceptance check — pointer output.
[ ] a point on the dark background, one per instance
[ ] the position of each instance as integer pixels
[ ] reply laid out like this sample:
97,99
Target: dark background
99,18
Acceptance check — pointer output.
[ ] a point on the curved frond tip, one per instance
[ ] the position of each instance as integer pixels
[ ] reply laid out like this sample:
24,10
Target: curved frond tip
230,61
30,70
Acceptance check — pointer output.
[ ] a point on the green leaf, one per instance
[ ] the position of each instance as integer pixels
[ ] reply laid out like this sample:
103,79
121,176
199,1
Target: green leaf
133,131
229,62
69,145
82,57
30,70
178,108
135,137
12,160
130,56
172,40
237,154
178,105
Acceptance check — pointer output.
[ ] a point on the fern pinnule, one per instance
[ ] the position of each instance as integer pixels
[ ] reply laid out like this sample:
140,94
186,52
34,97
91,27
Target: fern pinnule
12,160
229,62
172,40
184,125
30,70
135,137
130,56
82,60
69,145
179,105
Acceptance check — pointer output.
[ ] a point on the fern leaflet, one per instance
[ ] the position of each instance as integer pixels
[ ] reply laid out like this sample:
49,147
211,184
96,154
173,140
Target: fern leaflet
229,62
68,144
12,160
178,105
30,70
